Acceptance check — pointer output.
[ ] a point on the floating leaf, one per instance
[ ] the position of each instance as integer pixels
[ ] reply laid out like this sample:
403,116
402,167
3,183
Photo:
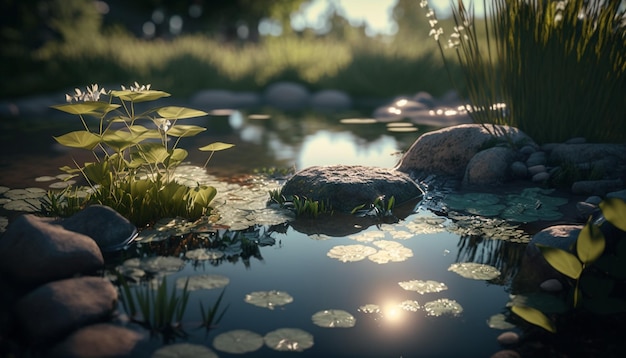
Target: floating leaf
367,236
202,282
475,271
289,339
334,319
535,317
614,210
350,253
174,112
268,299
499,321
238,341
562,260
370,308
423,287
410,305
79,139
184,350
392,251
443,306
203,254
158,264
217,146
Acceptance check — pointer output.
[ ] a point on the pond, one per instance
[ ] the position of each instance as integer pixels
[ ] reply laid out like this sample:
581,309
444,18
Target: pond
401,286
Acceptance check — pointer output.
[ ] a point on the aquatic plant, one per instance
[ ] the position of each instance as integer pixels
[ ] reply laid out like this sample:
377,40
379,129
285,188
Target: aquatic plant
380,208
545,67
136,154
210,316
305,207
596,274
151,306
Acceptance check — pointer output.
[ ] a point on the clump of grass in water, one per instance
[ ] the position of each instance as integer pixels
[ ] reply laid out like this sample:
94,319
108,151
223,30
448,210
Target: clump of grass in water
559,66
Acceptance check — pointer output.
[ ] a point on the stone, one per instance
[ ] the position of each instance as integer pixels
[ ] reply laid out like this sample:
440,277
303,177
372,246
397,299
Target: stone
536,169
110,230
99,340
348,186
620,194
34,251
588,153
596,187
596,200
333,100
506,353
540,177
527,150
55,309
287,96
424,98
536,158
519,170
551,285
447,151
585,209
489,166
508,338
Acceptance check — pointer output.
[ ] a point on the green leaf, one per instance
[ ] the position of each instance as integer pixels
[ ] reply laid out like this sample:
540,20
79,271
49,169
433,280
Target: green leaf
120,139
185,130
203,195
562,261
217,146
590,243
174,112
176,157
79,139
535,317
614,210
90,107
98,172
152,152
139,96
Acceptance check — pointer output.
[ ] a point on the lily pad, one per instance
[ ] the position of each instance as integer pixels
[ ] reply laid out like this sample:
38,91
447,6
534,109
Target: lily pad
28,193
27,205
350,253
289,339
268,299
158,264
184,350
334,319
391,252
477,203
443,306
367,236
410,305
203,254
475,271
370,308
423,287
238,341
202,282
498,321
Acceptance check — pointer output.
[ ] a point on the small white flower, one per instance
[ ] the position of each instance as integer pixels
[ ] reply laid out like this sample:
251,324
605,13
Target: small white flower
561,5
423,3
137,87
430,13
436,33
92,94
433,22
163,124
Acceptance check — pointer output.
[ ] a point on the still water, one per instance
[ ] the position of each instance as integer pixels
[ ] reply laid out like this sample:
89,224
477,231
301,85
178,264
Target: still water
297,261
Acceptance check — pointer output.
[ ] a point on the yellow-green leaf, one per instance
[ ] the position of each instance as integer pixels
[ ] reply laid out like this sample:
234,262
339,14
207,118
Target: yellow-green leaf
139,96
89,107
217,146
614,210
202,195
120,139
535,317
79,139
590,243
562,261
174,112
152,152
182,130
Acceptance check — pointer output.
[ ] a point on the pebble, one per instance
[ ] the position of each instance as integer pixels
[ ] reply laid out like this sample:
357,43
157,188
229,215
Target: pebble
536,169
551,285
508,338
540,177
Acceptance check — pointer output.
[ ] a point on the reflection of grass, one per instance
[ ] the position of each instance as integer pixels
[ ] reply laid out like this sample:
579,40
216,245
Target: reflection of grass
210,317
366,67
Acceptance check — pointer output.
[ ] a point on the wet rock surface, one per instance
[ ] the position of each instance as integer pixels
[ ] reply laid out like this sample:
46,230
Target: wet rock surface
348,186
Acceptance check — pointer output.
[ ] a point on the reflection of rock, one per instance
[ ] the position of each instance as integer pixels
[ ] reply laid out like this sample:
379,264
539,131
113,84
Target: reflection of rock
345,187
34,251
99,340
449,150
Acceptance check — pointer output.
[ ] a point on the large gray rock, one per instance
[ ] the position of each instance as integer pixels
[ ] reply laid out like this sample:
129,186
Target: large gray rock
34,251
54,310
287,96
99,341
110,230
448,151
489,166
348,186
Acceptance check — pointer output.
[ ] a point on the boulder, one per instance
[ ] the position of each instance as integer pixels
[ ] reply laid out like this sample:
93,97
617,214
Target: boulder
98,341
448,151
287,96
597,187
331,100
348,186
55,309
489,166
110,230
34,251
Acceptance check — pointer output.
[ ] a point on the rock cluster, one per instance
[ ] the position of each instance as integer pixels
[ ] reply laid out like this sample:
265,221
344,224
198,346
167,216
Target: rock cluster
51,284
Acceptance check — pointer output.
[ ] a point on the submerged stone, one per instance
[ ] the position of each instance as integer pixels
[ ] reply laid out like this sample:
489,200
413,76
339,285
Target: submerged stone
345,187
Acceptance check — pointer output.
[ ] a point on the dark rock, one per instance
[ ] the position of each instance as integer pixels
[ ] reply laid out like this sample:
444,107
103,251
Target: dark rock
540,177
110,230
576,140
287,96
55,309
34,251
332,100
489,166
596,187
519,170
348,186
99,341
448,151
536,169
587,153
536,158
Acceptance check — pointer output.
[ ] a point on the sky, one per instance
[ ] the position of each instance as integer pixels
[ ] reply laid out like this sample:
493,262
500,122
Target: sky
376,14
